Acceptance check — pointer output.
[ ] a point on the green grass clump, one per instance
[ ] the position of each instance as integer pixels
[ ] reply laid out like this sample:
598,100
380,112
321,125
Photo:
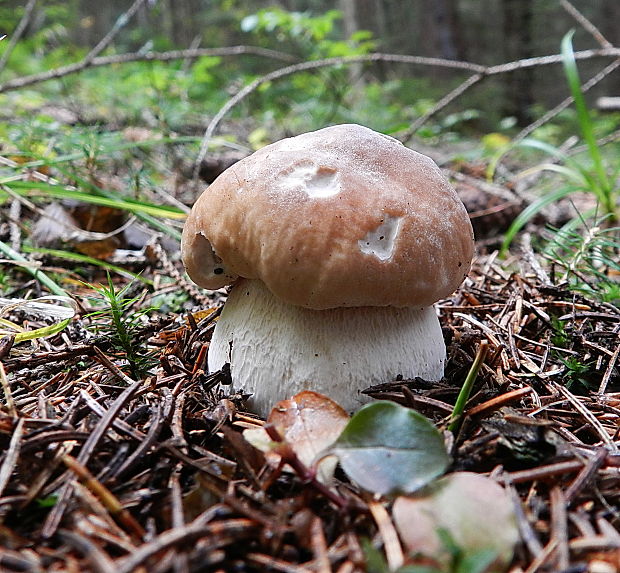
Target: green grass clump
119,322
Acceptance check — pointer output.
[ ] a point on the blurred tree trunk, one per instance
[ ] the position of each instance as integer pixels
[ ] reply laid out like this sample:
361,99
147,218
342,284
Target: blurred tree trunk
185,21
518,42
362,15
610,28
440,29
95,20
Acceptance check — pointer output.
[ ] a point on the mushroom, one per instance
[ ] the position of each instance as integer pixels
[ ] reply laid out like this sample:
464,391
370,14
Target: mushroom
338,243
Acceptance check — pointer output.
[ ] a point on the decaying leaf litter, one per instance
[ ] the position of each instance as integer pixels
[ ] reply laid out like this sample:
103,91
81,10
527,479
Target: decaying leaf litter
103,471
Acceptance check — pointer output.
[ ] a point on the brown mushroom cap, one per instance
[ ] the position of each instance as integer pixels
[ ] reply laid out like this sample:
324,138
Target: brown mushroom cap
342,216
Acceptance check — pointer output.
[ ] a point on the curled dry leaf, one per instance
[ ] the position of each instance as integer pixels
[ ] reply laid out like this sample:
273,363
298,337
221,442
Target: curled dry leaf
474,512
309,423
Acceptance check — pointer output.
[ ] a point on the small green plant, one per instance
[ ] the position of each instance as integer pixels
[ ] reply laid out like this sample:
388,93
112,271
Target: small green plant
578,376
560,337
593,175
119,322
312,34
589,257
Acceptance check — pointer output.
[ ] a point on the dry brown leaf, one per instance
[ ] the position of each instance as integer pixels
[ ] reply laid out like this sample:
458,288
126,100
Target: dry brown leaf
309,423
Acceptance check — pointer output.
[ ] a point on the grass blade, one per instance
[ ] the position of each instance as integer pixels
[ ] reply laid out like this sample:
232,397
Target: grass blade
585,121
530,211
41,189
461,401
80,258
36,273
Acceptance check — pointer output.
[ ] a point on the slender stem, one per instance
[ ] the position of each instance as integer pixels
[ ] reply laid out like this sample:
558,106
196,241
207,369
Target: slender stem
308,475
459,407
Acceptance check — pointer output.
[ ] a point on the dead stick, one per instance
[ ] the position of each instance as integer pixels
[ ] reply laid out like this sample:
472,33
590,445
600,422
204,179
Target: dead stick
107,498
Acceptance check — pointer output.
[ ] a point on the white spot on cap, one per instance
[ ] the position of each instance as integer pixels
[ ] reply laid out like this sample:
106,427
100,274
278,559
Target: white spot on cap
316,181
382,241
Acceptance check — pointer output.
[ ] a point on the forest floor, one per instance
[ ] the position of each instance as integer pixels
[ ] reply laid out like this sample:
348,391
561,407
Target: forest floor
111,470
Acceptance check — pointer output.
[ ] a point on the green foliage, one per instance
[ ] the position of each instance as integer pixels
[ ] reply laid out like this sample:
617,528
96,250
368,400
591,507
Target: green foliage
83,260
389,449
306,99
81,155
46,502
560,337
118,322
375,562
600,183
309,34
589,175
579,375
5,280
466,562
146,211
589,256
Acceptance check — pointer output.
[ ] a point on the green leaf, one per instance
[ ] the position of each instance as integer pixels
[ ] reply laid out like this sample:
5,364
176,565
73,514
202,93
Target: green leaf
577,177
375,561
42,332
389,449
478,562
525,143
40,189
530,211
583,115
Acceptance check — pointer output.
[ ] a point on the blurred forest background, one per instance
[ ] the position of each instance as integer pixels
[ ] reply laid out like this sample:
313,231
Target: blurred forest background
383,95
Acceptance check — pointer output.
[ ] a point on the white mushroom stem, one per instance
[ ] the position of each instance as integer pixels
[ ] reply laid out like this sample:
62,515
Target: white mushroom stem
276,350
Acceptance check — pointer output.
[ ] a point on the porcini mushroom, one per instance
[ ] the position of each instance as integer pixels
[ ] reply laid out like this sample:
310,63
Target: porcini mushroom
338,243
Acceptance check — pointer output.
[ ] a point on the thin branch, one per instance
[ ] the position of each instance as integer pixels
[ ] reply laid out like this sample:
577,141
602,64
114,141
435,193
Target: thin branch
455,93
120,23
565,103
191,54
376,57
586,24
23,23
313,65
441,104
553,59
